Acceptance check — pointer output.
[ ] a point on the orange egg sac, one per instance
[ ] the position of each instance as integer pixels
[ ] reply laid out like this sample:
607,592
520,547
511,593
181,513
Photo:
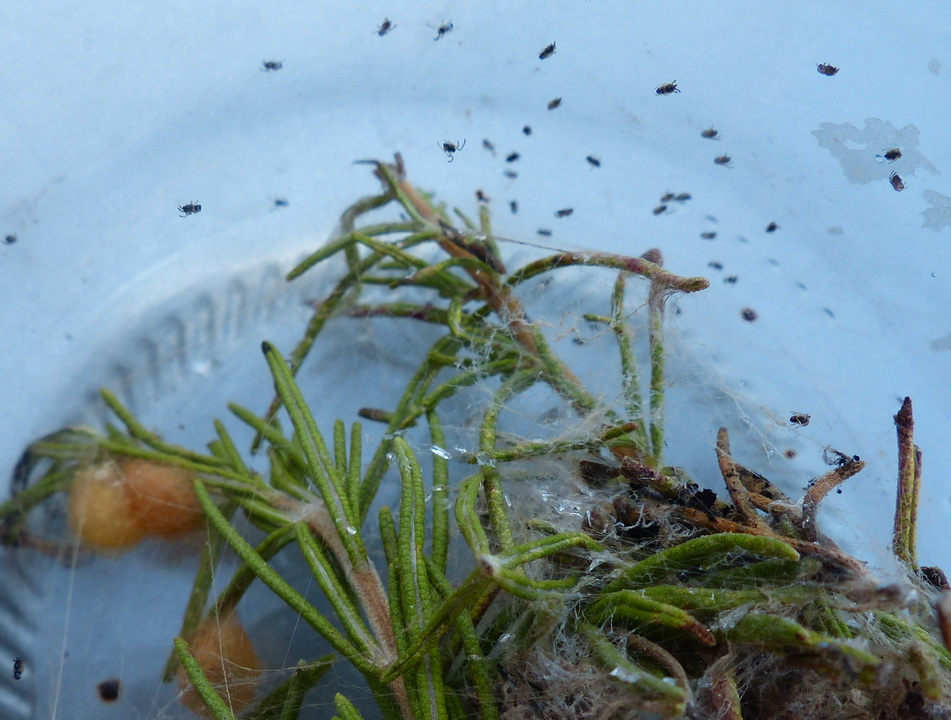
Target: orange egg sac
225,653
99,510
162,499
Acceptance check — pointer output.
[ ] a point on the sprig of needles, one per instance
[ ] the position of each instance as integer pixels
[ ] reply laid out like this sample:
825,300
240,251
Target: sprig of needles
667,601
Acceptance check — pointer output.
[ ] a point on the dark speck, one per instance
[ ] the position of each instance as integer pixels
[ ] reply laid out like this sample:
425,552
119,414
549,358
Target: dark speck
544,232
10,239
660,209
827,69
715,265
512,157
799,419
593,161
828,312
527,130
547,52
564,212
513,205
280,202
748,314
731,279
554,103
17,668
772,227
510,174
109,690
487,144
708,235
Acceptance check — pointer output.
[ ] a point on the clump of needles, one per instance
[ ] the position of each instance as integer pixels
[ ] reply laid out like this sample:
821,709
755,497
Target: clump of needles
664,601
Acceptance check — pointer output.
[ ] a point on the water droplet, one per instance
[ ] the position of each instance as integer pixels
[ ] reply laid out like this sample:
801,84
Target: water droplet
483,458
351,530
441,452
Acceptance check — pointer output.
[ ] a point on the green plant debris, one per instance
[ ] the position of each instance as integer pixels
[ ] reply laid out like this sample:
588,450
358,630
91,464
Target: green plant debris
667,602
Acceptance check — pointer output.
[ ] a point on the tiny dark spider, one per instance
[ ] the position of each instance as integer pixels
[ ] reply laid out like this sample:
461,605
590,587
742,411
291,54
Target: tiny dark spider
450,147
547,52
544,232
10,239
715,265
593,161
667,88
660,209
799,419
730,279
749,314
513,206
512,157
708,235
682,197
710,133
189,209
772,227
487,144
481,196
385,27
280,202
527,130
269,65
554,103
892,155
827,69
17,668
723,160
442,30
896,181
564,212
667,197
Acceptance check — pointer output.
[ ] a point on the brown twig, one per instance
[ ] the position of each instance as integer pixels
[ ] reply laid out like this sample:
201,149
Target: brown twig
904,537
817,491
731,478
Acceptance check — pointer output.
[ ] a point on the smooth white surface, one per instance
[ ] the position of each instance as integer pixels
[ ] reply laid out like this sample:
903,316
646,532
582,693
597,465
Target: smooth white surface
113,114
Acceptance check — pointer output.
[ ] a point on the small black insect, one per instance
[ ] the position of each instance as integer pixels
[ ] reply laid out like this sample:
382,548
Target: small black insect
896,181
385,27
10,239
667,88
772,227
554,103
450,147
892,155
748,314
799,419
660,209
17,668
544,232
564,212
513,205
510,174
730,279
109,690
682,197
280,202
710,133
443,29
189,209
487,144
271,65
826,69
527,130
512,157
481,196
547,52
722,160
593,161
708,235
667,197
715,265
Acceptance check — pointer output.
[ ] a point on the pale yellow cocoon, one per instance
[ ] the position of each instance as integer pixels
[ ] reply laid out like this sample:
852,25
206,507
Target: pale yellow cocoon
99,510
225,653
162,499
